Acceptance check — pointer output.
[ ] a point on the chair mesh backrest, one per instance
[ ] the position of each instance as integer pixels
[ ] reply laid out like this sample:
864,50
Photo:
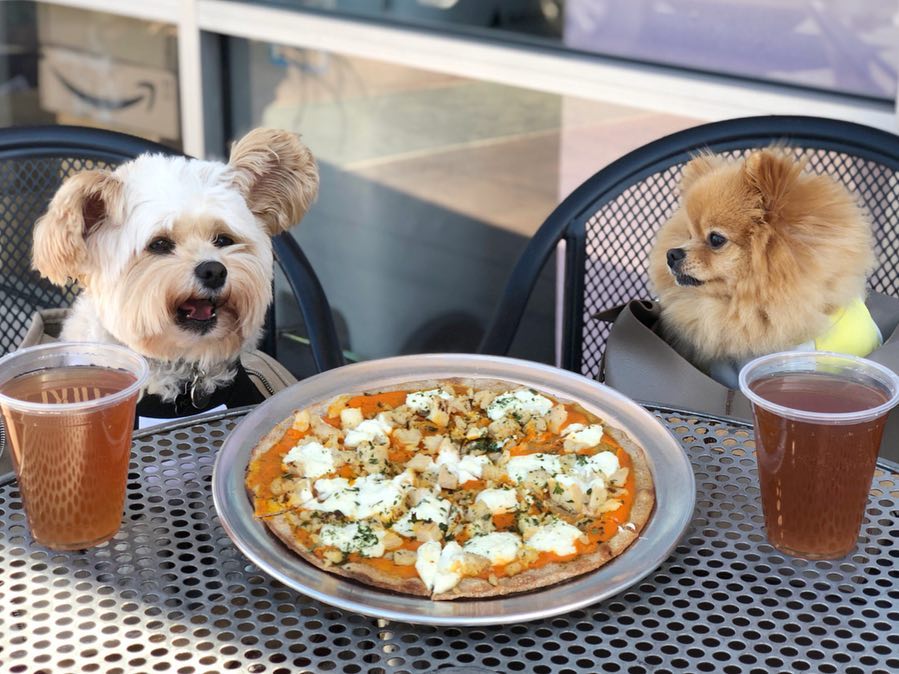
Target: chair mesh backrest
619,236
26,187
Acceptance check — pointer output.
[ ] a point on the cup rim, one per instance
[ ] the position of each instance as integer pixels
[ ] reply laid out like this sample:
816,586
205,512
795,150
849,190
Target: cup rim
821,417
141,374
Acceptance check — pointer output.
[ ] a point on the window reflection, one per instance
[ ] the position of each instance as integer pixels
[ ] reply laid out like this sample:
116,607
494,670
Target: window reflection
71,66
848,46
431,186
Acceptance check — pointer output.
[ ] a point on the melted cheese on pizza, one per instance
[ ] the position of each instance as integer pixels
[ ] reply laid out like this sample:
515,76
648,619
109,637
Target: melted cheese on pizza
447,483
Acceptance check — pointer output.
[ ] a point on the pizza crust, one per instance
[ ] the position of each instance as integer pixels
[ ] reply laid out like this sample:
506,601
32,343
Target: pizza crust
271,439
283,528
369,575
469,587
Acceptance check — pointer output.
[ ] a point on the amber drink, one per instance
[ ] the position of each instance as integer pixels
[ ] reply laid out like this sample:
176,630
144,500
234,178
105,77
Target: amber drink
68,410
819,419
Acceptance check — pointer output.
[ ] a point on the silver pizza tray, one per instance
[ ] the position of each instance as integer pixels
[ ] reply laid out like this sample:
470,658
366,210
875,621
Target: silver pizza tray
675,492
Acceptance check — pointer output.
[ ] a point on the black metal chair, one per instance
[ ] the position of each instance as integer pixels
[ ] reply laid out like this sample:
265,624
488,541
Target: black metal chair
33,163
609,222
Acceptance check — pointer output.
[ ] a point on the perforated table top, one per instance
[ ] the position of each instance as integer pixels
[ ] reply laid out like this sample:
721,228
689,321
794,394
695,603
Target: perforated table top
171,593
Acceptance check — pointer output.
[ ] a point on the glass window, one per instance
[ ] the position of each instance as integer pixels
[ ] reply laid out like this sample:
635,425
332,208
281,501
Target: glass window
70,66
848,46
430,187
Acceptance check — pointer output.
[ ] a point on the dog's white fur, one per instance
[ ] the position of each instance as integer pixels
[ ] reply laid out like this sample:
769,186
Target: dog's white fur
100,225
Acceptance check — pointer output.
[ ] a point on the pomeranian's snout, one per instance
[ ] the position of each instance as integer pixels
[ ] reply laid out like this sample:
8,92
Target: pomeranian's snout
211,274
675,257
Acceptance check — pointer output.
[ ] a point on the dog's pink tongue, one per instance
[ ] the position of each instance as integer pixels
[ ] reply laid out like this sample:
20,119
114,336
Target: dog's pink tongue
199,310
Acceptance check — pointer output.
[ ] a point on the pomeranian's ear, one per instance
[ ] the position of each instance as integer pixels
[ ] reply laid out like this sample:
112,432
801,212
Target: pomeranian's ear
700,165
277,175
773,174
85,203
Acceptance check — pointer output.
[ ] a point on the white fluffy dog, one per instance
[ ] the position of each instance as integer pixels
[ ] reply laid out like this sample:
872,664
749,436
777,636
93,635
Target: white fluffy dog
174,255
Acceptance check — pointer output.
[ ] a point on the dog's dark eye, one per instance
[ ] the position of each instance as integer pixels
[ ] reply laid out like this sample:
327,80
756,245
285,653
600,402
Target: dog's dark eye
716,240
161,246
222,240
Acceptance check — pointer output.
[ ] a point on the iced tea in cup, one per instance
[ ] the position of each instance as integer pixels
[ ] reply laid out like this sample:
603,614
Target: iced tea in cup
819,418
68,410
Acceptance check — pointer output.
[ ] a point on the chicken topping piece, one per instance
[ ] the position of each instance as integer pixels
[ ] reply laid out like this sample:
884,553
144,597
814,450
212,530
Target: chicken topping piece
405,557
301,421
558,415
337,405
407,438
567,493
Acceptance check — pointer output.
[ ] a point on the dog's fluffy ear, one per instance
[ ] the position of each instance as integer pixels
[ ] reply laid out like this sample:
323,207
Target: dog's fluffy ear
84,203
773,174
277,175
700,165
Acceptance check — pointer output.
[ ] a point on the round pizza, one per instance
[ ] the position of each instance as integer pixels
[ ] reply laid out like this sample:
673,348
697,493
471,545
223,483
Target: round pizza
451,489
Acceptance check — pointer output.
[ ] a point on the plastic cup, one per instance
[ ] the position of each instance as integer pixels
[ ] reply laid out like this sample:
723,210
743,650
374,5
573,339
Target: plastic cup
819,419
68,410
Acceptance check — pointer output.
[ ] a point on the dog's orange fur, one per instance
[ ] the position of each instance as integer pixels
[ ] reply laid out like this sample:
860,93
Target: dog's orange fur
798,248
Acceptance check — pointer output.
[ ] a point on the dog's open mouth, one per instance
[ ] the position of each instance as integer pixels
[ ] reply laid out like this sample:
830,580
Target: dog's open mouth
197,314
685,280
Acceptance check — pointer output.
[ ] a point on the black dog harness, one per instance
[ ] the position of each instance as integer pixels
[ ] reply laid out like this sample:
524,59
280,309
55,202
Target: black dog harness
241,391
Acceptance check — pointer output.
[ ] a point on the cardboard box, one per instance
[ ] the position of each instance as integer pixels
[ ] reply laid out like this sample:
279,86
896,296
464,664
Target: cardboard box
142,43
109,92
100,69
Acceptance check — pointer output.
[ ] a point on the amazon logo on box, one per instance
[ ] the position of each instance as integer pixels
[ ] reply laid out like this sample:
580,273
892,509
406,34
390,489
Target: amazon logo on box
109,91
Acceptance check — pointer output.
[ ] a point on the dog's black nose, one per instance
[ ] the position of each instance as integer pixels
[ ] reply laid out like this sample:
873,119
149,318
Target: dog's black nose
212,274
675,255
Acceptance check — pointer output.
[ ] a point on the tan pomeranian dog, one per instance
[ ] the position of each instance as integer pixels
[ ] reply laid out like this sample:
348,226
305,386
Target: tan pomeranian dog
762,257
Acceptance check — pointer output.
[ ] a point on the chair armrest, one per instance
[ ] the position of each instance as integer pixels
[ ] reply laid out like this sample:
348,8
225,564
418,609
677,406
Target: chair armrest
313,303
507,316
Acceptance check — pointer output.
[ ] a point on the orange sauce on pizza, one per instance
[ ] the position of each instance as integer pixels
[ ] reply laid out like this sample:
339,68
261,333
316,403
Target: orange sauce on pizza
504,520
499,571
267,468
523,448
630,485
304,538
545,558
534,443
473,484
370,405
386,566
399,454
606,526
382,564
609,443
346,471
574,417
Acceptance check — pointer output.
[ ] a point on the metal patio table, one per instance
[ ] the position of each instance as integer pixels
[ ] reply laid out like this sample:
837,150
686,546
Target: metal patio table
171,592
